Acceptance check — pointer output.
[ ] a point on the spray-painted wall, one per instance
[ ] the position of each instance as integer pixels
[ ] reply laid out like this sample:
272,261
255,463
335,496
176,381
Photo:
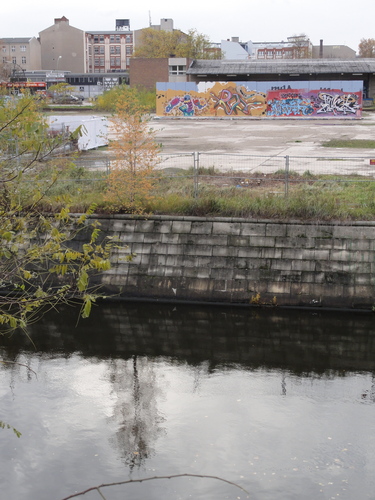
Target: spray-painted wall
325,99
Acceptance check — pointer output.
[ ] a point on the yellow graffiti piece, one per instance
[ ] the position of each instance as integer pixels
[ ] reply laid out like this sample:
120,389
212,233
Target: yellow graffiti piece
222,99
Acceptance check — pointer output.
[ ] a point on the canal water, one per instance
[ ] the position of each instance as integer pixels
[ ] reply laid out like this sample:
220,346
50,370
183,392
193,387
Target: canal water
278,402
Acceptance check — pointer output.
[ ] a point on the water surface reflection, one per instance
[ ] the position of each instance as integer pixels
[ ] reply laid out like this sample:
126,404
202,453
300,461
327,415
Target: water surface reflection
281,402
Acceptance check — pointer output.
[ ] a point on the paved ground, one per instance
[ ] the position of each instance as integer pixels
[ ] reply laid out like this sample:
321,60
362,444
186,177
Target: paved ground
262,145
302,138
270,137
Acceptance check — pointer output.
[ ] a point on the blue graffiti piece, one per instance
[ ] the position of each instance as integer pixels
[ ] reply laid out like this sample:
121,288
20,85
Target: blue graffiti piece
186,110
290,107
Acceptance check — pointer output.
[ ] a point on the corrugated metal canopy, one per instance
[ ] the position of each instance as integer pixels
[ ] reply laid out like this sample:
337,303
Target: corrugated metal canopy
285,66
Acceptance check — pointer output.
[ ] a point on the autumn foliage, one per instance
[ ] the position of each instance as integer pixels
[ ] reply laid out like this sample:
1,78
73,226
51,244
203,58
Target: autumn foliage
135,156
367,47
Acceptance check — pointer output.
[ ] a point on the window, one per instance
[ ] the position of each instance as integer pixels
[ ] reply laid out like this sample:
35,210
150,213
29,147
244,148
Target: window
177,70
4,59
96,49
112,38
101,38
4,48
23,60
129,50
118,38
115,61
101,49
115,49
23,48
128,39
13,48
14,60
96,38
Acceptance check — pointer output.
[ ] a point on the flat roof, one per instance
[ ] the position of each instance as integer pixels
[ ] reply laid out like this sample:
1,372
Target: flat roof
280,66
113,32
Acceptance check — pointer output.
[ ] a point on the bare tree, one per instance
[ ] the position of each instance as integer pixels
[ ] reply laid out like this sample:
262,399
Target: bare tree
301,46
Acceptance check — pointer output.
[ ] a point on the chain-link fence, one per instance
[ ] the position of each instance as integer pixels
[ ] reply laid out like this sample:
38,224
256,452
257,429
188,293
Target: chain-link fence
279,172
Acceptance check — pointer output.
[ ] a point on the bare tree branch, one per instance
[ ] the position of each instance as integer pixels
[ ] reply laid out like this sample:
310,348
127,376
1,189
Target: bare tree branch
173,476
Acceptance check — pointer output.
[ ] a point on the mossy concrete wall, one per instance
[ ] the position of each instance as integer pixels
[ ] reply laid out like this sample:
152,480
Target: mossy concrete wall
243,261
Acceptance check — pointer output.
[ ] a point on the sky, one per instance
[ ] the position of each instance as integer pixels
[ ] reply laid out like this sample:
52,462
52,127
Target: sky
336,22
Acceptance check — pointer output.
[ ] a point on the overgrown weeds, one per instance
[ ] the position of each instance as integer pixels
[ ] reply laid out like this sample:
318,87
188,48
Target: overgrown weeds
350,143
309,197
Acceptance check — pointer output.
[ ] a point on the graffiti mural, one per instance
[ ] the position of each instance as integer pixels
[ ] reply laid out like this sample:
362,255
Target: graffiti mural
237,100
329,99
291,103
338,104
187,105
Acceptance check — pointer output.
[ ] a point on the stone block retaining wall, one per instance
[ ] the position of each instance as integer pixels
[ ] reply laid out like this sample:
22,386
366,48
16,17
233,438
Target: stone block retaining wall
243,261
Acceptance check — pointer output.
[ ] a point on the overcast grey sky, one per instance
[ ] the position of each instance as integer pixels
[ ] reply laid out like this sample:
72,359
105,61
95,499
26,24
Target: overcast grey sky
335,21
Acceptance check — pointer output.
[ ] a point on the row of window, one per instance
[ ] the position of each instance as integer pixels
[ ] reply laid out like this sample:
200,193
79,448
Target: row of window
177,70
280,53
112,38
113,49
14,60
114,61
114,64
14,47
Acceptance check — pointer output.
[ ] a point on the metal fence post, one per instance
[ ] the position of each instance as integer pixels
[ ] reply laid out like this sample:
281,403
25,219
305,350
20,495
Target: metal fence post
196,172
286,176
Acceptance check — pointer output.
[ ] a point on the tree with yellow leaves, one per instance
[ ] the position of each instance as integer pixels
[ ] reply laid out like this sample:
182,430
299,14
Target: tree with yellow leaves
41,264
135,152
160,44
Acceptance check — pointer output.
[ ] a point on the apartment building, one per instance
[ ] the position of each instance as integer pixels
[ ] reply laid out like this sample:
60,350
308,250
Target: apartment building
20,54
63,47
296,47
109,51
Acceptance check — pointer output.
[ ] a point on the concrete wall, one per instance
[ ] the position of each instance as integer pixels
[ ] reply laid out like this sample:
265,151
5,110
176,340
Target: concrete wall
283,99
240,261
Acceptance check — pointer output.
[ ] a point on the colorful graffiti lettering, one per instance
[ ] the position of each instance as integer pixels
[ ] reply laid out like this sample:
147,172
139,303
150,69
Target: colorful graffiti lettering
233,101
186,105
337,104
290,107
